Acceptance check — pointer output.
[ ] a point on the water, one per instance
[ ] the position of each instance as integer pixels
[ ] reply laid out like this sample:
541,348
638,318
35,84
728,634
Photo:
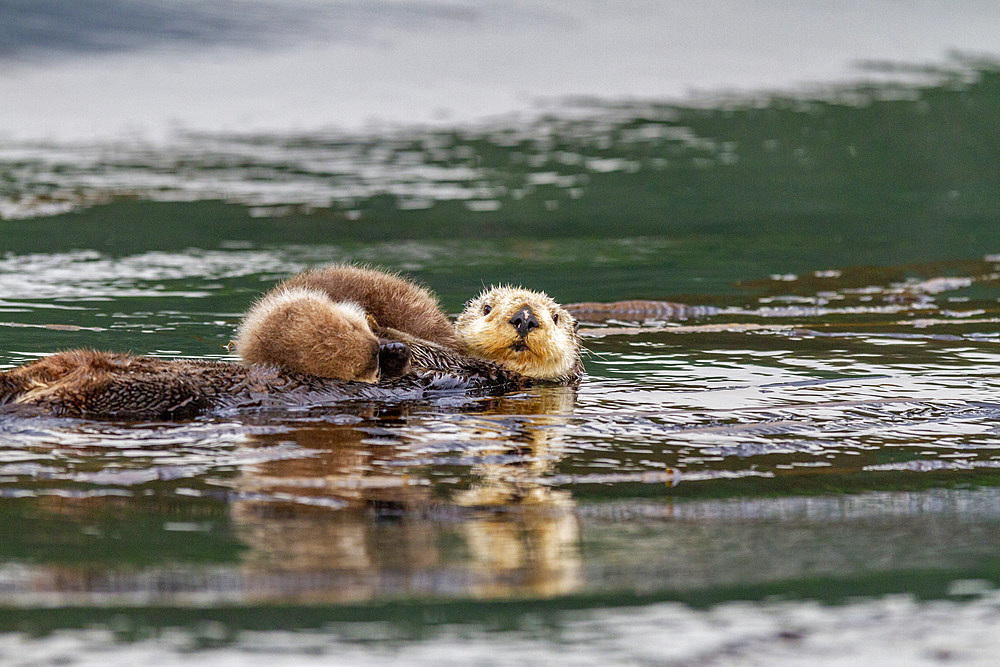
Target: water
807,469
107,67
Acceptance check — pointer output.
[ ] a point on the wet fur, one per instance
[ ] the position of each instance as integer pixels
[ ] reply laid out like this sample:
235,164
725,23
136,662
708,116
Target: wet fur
478,354
304,330
393,301
88,382
295,327
550,352
109,385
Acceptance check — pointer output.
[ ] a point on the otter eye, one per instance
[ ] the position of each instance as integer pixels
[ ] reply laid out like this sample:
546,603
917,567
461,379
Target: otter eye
487,309
555,318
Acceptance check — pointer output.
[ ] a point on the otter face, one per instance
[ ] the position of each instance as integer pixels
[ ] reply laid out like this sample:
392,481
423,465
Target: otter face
521,330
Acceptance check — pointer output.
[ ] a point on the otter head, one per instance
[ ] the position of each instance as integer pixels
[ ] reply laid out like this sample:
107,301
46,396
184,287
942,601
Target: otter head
306,331
522,331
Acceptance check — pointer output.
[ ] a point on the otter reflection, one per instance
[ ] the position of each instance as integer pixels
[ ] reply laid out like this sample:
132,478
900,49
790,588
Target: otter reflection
369,513
542,542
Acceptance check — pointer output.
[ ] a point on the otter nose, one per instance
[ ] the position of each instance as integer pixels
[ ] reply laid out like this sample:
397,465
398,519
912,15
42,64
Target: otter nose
524,321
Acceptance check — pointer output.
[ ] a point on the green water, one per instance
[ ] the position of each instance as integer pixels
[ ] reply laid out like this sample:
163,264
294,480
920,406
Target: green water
830,434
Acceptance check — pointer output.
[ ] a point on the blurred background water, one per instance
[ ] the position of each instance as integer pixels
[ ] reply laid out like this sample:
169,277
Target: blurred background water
803,468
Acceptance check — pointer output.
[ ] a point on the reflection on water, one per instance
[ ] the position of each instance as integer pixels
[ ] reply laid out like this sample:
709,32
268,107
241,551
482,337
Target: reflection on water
517,536
355,507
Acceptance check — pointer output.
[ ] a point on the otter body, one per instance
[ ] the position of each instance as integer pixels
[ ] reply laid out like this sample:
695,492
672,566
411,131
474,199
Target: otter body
330,322
315,337
306,331
315,323
108,385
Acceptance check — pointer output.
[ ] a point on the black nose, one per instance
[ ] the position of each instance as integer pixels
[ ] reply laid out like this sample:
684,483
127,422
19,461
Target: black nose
524,321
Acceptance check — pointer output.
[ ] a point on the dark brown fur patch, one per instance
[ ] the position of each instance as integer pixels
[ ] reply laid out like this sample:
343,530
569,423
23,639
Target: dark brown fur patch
108,385
92,383
11,385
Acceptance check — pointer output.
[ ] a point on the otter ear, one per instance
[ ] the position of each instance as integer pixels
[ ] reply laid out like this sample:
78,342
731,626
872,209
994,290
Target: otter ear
468,304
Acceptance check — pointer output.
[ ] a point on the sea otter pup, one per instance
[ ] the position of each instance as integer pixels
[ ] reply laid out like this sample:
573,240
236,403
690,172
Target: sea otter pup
392,301
306,331
335,321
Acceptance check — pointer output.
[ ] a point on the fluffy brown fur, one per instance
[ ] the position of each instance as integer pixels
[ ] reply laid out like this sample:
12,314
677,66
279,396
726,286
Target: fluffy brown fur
523,331
300,325
393,302
509,337
305,331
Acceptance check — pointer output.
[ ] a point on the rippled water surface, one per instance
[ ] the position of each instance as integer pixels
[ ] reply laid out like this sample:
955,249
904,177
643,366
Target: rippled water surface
804,463
819,436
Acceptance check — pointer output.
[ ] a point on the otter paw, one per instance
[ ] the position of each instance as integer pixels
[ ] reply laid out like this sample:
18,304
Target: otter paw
393,359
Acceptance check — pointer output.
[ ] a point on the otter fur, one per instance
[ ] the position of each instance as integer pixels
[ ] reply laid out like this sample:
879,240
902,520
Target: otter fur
392,301
313,336
304,330
314,323
522,331
109,385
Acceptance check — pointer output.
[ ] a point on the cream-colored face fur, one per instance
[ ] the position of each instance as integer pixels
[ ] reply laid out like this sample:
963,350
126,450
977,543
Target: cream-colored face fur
548,352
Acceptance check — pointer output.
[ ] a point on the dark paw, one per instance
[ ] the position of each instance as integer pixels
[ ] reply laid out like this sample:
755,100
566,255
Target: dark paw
393,359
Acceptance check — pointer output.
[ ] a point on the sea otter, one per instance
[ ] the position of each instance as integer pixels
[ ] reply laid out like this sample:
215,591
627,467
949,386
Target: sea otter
522,331
314,323
337,322
306,331
503,353
109,385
